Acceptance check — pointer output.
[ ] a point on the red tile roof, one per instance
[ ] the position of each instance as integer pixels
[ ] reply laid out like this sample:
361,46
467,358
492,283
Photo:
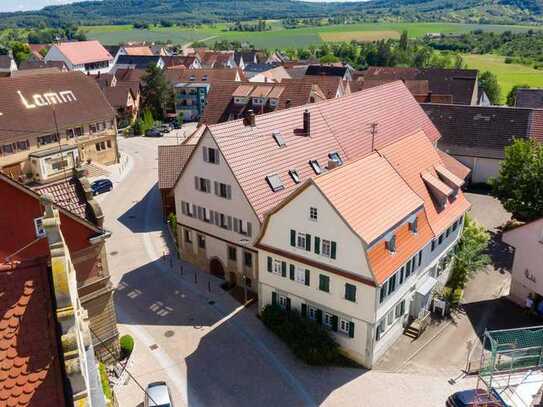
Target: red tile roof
453,165
328,84
414,157
84,52
340,125
176,75
171,160
30,373
138,51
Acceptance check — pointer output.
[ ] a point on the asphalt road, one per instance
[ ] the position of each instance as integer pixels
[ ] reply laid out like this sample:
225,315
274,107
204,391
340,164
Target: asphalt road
209,350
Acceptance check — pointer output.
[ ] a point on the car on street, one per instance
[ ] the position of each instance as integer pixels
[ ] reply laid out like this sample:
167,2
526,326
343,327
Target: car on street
475,397
154,132
101,185
158,394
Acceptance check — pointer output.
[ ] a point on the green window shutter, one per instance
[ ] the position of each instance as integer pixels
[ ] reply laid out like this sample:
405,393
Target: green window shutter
284,268
307,275
304,310
270,264
292,238
334,322
274,298
351,329
288,304
350,292
292,271
317,245
324,283
308,242
333,250
319,316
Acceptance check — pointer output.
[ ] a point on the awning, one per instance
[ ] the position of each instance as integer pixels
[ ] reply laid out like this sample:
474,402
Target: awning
427,286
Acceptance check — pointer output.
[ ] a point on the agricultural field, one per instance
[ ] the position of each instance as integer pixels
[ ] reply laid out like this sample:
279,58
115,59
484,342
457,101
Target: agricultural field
280,37
508,74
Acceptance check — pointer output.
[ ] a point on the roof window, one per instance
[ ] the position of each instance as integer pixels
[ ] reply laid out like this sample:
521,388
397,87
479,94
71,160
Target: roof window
295,175
279,139
275,182
334,156
316,166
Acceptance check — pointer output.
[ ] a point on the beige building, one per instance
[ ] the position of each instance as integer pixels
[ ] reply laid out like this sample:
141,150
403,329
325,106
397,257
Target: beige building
361,248
50,122
526,276
241,170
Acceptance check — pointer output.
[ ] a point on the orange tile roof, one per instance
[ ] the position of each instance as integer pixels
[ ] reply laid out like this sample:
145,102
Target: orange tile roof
436,183
449,176
30,373
84,52
261,91
383,264
453,165
276,92
243,91
171,160
341,125
138,51
369,195
414,156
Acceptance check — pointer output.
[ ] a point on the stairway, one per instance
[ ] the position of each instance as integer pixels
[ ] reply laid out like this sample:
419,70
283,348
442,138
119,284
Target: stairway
412,331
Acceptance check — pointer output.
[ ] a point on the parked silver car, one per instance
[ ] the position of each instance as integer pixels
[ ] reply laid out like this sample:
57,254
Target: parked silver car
158,395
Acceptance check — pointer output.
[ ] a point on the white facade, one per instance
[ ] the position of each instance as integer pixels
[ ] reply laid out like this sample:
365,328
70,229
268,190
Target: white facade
481,168
240,225
354,323
526,276
94,68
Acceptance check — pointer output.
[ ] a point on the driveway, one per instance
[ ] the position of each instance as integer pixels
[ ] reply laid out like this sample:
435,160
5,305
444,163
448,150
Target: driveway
190,333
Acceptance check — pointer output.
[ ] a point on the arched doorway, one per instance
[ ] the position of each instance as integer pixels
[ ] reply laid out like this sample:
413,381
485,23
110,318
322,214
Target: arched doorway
216,268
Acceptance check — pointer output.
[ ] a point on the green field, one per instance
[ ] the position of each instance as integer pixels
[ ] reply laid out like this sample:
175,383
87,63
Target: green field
279,37
508,74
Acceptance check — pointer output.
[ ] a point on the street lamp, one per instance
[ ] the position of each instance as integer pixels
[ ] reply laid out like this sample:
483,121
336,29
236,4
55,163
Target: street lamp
243,273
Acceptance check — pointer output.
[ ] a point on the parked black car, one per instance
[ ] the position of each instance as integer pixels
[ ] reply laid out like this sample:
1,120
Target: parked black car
101,185
153,133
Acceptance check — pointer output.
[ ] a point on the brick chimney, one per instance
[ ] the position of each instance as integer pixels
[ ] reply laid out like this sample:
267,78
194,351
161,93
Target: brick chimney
307,123
250,120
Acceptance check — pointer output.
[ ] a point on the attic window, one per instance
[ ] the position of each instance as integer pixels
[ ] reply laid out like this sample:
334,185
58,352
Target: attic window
334,156
391,244
279,139
295,176
275,182
316,166
192,78
413,226
204,78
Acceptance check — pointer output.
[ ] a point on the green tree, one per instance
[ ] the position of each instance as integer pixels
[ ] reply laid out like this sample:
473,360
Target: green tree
328,59
470,254
512,95
519,185
489,83
403,41
21,52
157,93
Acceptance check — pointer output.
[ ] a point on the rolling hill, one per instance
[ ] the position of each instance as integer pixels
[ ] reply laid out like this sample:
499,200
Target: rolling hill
209,11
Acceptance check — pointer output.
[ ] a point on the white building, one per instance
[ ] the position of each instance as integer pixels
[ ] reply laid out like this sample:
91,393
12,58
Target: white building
89,57
360,248
229,183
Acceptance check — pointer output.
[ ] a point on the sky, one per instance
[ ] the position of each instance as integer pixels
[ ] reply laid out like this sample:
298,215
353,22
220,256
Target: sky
20,5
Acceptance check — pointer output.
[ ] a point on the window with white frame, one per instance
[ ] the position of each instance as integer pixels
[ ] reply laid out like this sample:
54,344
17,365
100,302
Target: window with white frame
283,301
38,226
399,310
328,319
312,313
344,326
299,275
326,247
300,241
277,267
313,214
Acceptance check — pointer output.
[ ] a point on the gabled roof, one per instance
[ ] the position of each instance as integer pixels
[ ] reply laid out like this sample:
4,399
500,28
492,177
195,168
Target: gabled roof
532,98
483,131
81,101
328,84
175,75
177,60
415,86
139,61
329,70
39,64
415,159
341,125
117,96
138,51
30,368
5,62
129,75
83,52
171,160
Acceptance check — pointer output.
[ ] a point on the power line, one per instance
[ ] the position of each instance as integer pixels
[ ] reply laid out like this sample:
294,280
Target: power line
125,367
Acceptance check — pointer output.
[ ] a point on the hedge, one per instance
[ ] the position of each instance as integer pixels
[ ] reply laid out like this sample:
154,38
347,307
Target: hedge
308,340
127,346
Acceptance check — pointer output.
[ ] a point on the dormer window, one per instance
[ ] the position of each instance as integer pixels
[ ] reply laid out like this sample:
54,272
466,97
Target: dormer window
391,244
295,176
275,182
204,78
413,226
274,102
316,166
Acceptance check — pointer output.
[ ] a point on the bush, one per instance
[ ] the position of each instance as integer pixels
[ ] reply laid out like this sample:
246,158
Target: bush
308,340
106,387
508,60
127,346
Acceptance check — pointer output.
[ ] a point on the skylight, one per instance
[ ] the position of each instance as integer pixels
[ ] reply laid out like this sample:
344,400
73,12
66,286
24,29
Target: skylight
295,175
316,166
279,139
334,156
275,182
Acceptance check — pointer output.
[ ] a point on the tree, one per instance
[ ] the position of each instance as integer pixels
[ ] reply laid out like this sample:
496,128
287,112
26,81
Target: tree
328,59
512,95
489,83
403,41
519,185
157,93
470,254
21,52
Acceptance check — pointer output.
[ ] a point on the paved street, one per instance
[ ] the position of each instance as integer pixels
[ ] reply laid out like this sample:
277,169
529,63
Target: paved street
211,351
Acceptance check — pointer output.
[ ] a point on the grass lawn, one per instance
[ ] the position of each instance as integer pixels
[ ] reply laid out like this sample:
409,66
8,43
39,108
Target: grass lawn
279,37
508,74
